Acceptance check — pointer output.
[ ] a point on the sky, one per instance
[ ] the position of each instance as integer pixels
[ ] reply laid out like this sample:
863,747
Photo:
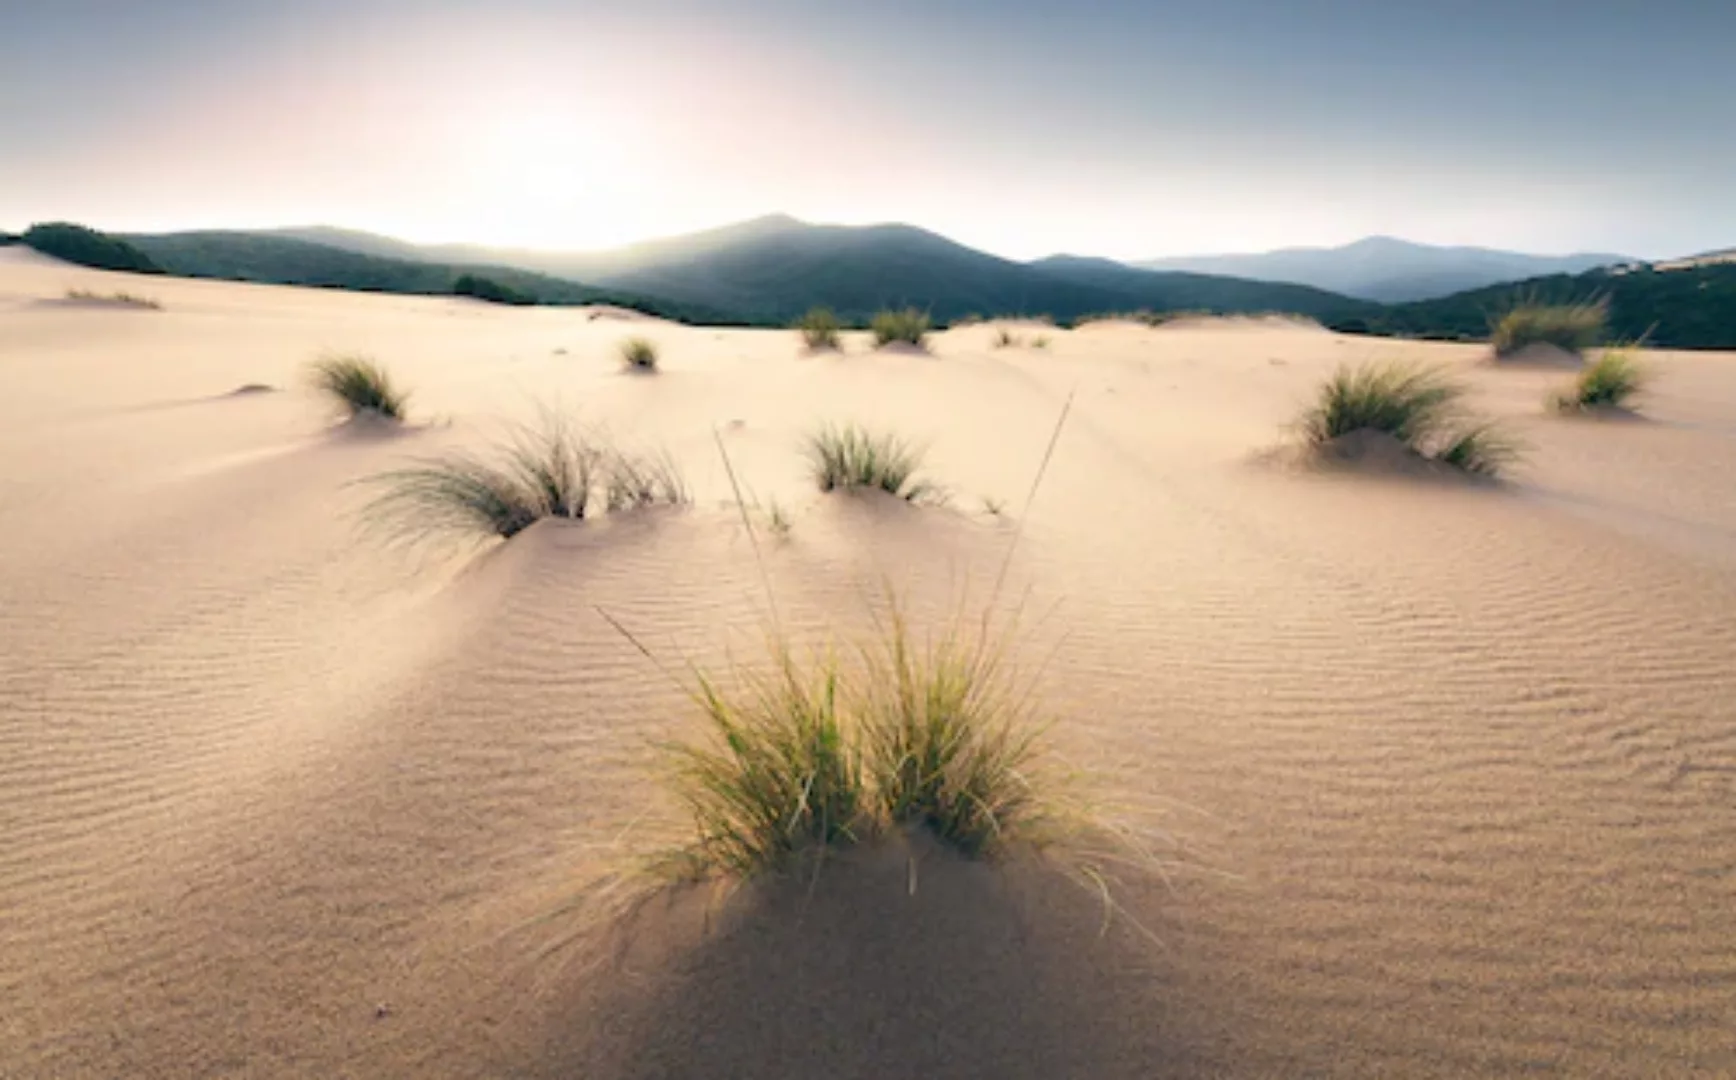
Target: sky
1123,128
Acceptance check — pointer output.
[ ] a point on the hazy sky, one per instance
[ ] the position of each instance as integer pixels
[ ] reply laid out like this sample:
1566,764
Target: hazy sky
1125,128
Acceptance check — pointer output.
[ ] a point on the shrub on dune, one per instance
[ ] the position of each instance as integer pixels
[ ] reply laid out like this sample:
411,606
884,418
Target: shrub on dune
542,472
639,354
1419,407
820,329
632,481
1005,339
1611,381
850,458
908,326
359,386
1572,328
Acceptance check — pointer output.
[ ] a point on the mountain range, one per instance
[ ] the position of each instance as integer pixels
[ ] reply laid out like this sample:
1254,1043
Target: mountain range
704,267
1388,270
770,270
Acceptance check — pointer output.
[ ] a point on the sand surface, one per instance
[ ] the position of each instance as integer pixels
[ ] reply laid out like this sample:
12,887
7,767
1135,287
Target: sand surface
1453,766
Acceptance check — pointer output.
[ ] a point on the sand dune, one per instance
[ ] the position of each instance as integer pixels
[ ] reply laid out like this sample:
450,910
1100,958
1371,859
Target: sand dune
1455,765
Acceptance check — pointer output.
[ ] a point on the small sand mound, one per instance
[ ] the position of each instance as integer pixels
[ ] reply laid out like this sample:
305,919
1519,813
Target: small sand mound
1542,354
1370,449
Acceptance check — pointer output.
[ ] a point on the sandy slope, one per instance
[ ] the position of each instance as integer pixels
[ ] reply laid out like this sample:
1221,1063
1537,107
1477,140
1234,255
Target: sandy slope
1457,764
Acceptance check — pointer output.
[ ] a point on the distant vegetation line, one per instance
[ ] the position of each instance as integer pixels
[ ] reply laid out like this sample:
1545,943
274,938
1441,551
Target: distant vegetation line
772,273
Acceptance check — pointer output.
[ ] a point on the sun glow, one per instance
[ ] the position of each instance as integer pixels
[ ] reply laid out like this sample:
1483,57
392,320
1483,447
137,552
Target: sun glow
547,178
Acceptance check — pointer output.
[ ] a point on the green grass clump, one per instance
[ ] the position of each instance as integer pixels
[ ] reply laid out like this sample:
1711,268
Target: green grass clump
1421,407
1610,381
126,298
950,742
850,457
639,354
778,777
359,386
542,472
1570,327
820,329
1481,449
908,326
815,757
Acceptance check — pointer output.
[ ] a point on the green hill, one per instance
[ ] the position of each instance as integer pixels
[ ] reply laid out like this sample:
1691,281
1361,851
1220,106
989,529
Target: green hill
88,247
1689,308
242,256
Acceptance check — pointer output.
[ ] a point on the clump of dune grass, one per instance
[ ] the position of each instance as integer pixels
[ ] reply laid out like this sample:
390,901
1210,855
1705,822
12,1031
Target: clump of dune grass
1041,341
1481,449
1572,328
908,326
778,776
633,481
1420,407
1611,381
124,298
541,472
639,354
820,329
949,741
359,386
850,457
1005,338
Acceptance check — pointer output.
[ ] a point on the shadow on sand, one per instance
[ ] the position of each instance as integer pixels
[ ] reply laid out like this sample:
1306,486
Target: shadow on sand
979,971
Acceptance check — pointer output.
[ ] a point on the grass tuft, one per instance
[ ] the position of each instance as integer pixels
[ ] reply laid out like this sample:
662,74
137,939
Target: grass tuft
909,326
1481,449
126,298
1570,327
639,354
820,329
949,742
850,457
1611,381
1006,338
1418,406
542,472
359,385
778,775
634,481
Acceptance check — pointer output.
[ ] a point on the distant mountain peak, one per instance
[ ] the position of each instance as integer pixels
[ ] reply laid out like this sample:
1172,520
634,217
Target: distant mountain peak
1387,269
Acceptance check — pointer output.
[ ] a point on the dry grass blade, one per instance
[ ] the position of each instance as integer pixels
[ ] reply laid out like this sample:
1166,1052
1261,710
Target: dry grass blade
358,385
